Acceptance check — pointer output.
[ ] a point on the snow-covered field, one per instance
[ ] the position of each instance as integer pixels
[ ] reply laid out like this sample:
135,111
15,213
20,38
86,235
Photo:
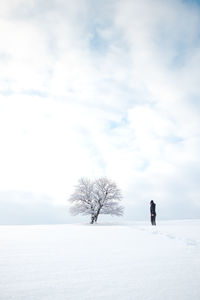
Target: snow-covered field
128,261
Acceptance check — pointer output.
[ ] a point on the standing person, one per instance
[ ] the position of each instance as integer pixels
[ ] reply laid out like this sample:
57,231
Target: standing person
153,212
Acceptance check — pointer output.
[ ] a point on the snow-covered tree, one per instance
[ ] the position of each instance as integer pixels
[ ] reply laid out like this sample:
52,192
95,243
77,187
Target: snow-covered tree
100,196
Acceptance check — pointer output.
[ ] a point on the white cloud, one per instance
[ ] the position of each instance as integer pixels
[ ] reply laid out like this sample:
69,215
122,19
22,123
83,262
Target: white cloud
109,90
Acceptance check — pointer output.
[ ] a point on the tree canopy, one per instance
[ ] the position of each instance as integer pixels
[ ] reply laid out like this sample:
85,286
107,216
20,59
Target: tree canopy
101,196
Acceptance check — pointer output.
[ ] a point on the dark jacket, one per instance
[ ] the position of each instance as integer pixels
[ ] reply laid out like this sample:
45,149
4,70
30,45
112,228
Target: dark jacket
153,208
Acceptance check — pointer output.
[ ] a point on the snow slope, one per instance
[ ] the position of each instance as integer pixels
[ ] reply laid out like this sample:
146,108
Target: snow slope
78,262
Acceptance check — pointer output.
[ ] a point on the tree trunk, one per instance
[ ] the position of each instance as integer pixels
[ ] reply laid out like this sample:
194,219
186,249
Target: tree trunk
96,216
92,219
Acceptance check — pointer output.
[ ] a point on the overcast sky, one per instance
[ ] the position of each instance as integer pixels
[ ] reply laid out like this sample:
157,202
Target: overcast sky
99,88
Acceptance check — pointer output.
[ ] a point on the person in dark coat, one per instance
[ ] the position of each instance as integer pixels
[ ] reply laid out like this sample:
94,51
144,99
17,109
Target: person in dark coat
153,212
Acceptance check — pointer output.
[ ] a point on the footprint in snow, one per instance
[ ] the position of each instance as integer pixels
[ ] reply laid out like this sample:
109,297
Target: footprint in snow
170,236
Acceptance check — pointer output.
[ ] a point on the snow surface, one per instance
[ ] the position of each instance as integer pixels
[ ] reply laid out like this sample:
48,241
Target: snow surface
129,261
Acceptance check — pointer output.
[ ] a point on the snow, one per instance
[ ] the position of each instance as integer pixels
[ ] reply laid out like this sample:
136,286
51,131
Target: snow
132,261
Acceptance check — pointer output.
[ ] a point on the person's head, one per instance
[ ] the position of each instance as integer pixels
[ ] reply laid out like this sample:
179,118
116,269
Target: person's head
151,202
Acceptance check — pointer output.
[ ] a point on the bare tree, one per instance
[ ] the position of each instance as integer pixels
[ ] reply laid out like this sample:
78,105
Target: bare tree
96,197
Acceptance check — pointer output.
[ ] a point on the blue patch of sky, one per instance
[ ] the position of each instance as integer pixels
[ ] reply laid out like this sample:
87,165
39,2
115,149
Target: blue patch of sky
34,93
100,22
178,48
179,58
100,42
97,42
144,166
192,2
174,139
116,124
194,101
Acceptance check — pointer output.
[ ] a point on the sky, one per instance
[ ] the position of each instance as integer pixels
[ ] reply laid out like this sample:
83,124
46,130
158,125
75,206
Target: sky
99,88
